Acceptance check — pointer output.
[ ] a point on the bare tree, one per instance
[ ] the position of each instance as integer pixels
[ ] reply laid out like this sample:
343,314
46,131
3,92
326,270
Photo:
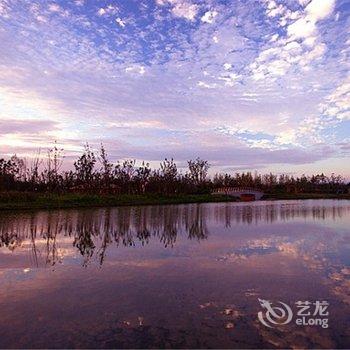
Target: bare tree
198,170
84,167
106,170
54,162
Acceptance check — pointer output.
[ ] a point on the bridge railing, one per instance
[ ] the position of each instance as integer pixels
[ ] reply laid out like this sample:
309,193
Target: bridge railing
236,189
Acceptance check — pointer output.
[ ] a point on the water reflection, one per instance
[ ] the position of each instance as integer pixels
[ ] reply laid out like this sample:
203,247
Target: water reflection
92,231
272,212
185,276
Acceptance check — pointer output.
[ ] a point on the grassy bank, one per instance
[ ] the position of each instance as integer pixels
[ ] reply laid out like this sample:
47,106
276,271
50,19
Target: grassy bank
23,200
11,201
281,196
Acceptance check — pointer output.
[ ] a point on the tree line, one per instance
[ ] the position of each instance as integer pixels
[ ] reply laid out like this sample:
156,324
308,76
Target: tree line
94,173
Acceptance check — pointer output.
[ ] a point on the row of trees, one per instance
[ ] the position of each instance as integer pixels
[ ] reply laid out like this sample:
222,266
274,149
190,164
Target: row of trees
95,173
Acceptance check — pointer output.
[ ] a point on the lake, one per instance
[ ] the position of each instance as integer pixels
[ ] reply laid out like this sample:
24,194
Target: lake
219,275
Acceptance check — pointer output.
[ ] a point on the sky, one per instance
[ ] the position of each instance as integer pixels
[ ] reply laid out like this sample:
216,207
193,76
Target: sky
247,85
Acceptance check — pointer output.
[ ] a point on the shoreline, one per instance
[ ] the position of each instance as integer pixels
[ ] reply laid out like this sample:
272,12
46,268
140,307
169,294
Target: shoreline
33,201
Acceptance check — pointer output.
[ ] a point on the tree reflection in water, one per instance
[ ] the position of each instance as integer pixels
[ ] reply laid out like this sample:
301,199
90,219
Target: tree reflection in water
91,231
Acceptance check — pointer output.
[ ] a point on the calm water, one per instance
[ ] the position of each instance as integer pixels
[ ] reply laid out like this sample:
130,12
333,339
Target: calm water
174,276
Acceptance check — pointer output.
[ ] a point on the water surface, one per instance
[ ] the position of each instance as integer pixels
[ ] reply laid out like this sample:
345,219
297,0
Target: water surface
175,276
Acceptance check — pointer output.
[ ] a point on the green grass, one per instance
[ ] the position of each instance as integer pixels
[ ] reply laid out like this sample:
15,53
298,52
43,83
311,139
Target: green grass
27,200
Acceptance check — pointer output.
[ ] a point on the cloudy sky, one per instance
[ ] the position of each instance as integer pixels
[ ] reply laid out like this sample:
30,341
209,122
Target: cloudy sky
246,84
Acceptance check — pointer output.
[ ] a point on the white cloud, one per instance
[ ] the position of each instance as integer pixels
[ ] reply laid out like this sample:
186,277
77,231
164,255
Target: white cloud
181,8
274,37
319,9
229,79
185,10
292,46
54,8
337,104
108,10
318,51
305,26
79,2
41,19
302,28
271,4
136,69
277,11
206,85
101,11
209,16
310,41
120,22
278,67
